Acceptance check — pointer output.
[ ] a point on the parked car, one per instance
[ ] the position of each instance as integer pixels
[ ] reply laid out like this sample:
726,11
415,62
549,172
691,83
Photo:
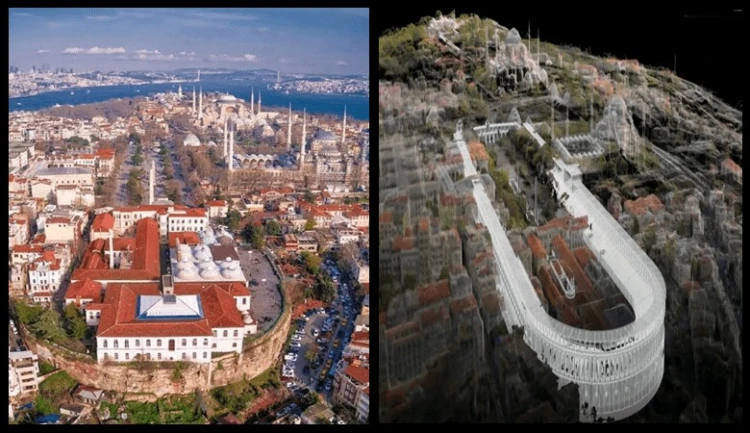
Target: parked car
315,332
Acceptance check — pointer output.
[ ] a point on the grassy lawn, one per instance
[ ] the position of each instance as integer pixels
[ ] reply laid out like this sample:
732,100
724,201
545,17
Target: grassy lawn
237,396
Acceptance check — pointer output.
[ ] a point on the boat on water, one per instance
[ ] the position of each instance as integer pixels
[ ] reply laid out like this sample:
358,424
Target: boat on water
88,91
58,105
18,103
72,93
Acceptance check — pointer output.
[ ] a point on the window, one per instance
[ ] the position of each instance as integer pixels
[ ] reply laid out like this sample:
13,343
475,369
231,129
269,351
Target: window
116,345
244,301
194,355
195,342
137,343
127,356
158,356
116,355
158,343
148,343
205,355
171,345
127,344
236,333
184,355
104,344
226,333
205,341
216,333
184,342
234,344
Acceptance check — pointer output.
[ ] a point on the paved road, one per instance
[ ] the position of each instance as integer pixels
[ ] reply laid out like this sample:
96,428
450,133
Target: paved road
265,301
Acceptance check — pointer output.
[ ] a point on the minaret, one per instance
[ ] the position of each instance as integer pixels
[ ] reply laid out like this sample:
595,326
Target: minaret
193,99
302,145
179,91
200,103
199,76
343,132
260,98
252,101
231,148
538,51
151,180
289,131
226,132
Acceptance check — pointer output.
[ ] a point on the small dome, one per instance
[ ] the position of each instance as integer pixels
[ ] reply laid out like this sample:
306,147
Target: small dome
187,274
210,273
227,98
191,140
513,37
247,320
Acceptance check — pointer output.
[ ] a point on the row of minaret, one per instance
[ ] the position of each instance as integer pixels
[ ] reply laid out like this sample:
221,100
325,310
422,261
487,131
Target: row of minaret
229,129
200,101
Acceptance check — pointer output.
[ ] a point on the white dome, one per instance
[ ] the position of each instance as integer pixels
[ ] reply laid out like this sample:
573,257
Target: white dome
227,273
187,274
210,273
207,265
191,140
227,98
185,266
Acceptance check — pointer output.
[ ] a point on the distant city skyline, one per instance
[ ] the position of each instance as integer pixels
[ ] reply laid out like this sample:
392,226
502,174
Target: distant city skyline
317,41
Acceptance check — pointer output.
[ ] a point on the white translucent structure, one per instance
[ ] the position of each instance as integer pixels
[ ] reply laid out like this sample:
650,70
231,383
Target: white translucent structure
618,371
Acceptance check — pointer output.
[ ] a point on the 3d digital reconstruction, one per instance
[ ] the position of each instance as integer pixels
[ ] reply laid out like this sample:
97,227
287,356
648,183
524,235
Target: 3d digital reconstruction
560,233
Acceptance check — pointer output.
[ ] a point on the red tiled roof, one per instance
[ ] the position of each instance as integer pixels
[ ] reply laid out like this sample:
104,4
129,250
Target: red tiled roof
186,238
401,243
86,289
145,265
641,205
28,249
359,374
463,305
436,314
103,222
59,219
434,292
537,247
216,203
118,316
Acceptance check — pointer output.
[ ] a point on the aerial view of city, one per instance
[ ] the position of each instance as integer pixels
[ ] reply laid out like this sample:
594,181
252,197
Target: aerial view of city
560,228
189,216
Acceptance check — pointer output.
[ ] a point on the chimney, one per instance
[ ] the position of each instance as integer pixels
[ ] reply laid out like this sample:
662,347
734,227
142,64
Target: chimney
167,287
111,250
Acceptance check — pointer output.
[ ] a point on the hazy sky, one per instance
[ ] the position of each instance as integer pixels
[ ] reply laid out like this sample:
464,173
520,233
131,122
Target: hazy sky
329,41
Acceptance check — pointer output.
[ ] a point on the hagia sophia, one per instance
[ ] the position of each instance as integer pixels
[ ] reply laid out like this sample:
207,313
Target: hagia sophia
315,159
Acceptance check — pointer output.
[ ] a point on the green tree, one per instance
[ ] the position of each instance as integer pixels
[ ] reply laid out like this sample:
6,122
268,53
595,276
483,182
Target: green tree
309,197
324,288
232,220
273,228
254,234
49,327
311,354
76,324
43,405
310,224
312,262
27,314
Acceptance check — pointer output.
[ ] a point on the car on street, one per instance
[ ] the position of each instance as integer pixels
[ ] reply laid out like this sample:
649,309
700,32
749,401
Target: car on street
295,344
315,332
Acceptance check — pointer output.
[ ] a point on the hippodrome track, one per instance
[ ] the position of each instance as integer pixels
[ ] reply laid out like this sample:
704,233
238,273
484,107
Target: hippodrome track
618,371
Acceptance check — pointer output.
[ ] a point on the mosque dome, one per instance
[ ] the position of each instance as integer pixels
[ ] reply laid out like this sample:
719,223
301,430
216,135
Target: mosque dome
183,266
324,135
330,151
513,37
227,98
191,140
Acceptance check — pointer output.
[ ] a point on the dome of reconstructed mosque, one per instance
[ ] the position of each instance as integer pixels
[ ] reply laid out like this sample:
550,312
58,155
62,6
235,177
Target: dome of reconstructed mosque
513,37
227,98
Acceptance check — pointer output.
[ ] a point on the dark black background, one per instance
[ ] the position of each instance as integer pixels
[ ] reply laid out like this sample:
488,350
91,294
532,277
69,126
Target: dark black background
707,39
